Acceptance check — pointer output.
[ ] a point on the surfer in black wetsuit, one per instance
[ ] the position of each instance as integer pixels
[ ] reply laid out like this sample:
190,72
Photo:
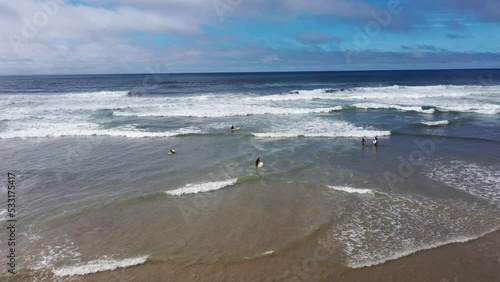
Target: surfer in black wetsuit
363,142
375,141
257,162
172,152
232,127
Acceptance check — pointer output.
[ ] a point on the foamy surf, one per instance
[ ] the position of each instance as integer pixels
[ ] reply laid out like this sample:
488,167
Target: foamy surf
435,123
63,131
97,94
477,180
386,227
478,108
398,255
375,106
223,110
357,134
352,190
100,265
202,187
319,127
267,253
380,93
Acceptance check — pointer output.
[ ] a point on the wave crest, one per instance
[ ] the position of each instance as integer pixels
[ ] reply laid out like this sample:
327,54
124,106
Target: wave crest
352,190
202,187
100,265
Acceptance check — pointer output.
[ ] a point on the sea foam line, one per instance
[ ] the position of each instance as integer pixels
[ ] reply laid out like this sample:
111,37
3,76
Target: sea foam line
398,255
267,253
352,190
208,111
435,123
102,264
352,134
202,187
71,132
394,107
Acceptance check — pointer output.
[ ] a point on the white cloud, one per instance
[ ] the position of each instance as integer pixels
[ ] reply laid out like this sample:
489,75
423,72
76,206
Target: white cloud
52,35
58,36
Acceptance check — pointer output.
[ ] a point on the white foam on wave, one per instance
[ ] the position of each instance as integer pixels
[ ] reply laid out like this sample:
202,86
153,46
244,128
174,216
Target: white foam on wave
318,127
435,123
62,114
202,187
479,108
352,190
60,250
383,93
424,92
97,94
298,96
394,107
72,130
267,253
478,180
226,110
385,227
100,265
469,99
412,250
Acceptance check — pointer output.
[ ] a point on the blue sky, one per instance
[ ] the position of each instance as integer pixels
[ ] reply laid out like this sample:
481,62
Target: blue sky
137,36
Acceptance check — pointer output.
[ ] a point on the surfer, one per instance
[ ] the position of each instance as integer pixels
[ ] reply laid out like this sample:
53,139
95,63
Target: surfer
171,152
232,127
363,142
375,141
257,162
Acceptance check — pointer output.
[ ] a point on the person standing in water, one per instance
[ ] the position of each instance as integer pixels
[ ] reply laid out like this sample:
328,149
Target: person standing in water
257,162
375,141
363,142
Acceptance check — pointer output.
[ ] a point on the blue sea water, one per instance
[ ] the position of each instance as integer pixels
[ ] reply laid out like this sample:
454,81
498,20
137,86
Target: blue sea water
328,104
90,152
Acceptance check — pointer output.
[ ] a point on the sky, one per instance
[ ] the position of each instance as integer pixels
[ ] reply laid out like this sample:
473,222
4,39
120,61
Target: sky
175,36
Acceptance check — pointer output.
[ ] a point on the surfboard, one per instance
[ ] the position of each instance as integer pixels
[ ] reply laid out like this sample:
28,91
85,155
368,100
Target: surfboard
261,164
236,128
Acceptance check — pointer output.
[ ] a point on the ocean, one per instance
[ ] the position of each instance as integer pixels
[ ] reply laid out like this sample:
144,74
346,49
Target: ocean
98,197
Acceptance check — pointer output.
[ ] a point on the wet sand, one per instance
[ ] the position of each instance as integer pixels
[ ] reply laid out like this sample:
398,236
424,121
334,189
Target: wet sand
477,260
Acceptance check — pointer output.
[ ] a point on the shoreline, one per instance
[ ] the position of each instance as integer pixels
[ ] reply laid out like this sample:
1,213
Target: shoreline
454,262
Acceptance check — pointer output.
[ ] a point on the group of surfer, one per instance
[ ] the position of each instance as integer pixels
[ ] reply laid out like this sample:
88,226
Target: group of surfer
375,142
258,163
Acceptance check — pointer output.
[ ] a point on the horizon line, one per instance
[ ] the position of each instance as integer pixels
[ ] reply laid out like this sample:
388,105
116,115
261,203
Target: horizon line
253,72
